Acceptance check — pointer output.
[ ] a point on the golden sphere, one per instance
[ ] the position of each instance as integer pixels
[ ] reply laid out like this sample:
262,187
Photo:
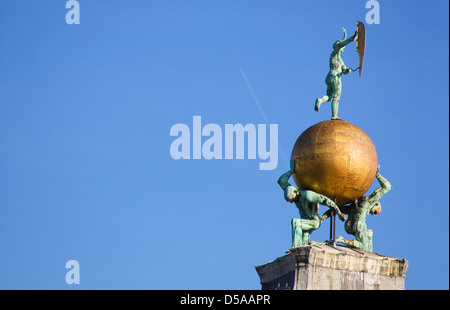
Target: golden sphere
336,159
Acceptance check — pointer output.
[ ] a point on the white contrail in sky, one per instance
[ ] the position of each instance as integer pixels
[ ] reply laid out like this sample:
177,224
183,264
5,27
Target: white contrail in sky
261,110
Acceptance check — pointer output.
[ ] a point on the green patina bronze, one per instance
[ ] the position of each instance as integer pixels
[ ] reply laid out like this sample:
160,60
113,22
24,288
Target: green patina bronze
333,78
357,214
307,203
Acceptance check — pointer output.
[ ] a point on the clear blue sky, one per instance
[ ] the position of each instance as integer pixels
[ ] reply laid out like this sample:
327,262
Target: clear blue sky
86,111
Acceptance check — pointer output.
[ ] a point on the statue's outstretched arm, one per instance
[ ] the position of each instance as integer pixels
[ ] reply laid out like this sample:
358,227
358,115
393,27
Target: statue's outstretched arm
345,42
323,200
327,214
384,187
283,180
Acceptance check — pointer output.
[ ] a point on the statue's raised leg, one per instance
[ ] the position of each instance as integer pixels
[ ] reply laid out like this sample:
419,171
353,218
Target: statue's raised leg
325,98
319,102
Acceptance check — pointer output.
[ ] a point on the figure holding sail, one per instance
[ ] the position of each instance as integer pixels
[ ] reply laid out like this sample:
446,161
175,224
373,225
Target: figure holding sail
337,68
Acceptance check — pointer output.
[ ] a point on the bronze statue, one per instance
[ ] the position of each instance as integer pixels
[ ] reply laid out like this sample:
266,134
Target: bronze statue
333,78
335,163
357,214
307,203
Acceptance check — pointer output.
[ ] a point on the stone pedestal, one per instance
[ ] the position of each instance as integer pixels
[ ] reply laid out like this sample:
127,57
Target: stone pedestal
323,267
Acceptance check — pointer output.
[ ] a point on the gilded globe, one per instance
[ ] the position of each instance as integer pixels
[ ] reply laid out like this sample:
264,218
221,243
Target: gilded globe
335,158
